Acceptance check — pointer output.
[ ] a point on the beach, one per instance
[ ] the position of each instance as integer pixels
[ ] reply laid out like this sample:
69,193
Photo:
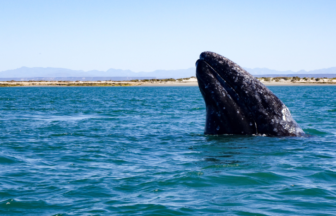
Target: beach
269,81
64,83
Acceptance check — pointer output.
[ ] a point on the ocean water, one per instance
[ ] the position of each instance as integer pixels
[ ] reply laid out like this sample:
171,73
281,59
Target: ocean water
142,151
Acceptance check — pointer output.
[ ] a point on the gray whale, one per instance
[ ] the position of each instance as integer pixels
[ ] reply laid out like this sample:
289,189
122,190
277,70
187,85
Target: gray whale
238,103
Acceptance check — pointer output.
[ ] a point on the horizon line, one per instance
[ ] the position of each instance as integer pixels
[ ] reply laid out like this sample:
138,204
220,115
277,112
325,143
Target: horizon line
160,69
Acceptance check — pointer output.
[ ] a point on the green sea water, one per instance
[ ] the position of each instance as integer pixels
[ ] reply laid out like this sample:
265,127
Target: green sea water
142,151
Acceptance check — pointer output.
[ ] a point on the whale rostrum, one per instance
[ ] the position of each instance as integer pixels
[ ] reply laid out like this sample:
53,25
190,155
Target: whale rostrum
238,103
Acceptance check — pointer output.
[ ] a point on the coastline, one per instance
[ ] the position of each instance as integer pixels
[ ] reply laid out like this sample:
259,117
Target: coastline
65,84
283,81
265,83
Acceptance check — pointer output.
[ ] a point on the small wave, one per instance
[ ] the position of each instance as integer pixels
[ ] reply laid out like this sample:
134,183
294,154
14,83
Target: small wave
268,176
313,192
328,176
219,166
8,160
150,209
33,206
315,132
88,191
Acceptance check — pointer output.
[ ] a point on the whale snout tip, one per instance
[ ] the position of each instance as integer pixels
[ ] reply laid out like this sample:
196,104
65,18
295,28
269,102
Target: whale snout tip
207,54
203,55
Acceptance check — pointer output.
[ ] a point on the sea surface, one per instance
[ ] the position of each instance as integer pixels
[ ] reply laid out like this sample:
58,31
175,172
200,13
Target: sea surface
142,151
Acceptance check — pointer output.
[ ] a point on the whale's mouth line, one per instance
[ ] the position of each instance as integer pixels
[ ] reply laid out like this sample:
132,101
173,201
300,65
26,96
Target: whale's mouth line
230,90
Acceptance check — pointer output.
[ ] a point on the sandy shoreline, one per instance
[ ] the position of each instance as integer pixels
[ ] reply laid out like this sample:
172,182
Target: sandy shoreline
163,83
265,83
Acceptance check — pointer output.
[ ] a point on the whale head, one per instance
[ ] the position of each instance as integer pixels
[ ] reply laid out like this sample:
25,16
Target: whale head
238,103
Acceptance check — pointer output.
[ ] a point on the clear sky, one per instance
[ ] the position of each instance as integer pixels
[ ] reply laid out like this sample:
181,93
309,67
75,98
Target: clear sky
146,35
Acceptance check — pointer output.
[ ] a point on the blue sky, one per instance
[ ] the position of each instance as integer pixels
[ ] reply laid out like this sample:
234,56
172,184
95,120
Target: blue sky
150,35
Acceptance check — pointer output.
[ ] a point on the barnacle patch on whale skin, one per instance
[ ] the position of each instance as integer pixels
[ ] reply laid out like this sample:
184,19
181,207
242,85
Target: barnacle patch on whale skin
285,113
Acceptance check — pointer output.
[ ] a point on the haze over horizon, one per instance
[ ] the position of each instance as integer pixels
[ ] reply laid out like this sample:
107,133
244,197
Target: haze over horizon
149,35
51,73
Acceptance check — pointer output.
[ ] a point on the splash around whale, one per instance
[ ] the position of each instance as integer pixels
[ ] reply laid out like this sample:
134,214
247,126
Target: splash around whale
238,103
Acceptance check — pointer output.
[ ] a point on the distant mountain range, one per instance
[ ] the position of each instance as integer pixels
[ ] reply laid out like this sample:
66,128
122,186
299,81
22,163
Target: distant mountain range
263,71
26,72
61,73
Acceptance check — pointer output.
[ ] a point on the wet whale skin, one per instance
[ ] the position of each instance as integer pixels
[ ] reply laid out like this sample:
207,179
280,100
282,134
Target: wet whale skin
238,103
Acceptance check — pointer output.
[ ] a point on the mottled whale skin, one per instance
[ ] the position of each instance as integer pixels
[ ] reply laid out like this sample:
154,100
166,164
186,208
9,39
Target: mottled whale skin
238,103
